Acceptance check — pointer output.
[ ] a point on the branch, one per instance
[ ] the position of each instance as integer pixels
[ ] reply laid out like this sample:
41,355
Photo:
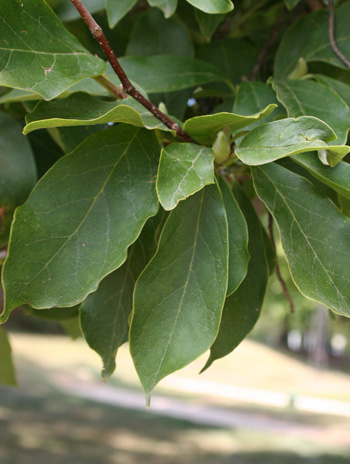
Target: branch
331,35
127,87
268,44
278,272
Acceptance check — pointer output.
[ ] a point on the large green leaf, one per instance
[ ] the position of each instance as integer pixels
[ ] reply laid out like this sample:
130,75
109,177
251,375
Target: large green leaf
38,54
300,96
238,257
179,296
205,128
105,314
315,235
17,173
167,73
252,97
242,308
184,168
142,43
286,137
7,371
308,38
212,6
81,109
117,9
78,222
340,88
167,6
337,177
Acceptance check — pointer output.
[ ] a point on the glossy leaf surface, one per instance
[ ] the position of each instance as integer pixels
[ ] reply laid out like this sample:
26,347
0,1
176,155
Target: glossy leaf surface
179,296
44,57
286,137
238,257
242,308
212,6
82,109
315,235
299,99
80,219
205,128
184,169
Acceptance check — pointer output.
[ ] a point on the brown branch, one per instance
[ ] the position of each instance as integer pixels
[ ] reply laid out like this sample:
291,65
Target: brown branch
331,35
127,87
278,272
268,44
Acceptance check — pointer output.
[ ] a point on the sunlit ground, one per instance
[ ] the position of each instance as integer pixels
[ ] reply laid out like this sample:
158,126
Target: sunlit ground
46,421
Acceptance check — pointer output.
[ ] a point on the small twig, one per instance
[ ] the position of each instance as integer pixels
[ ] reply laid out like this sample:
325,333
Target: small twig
113,89
127,87
331,35
278,272
268,44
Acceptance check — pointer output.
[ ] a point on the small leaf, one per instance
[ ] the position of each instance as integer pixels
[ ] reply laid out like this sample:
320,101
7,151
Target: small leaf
242,308
179,296
337,177
299,99
17,173
314,233
83,109
238,239
80,219
38,54
208,23
184,169
167,73
7,371
212,6
286,137
167,6
105,313
290,4
117,9
205,128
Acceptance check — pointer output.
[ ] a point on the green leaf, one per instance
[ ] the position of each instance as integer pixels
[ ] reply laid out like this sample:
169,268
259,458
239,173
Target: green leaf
252,97
314,234
83,109
242,308
238,258
184,168
105,313
38,54
212,6
205,128
337,177
299,99
7,371
142,43
67,12
71,327
80,219
286,137
179,296
167,6
208,23
116,10
53,314
17,173
308,38
341,89
290,4
167,73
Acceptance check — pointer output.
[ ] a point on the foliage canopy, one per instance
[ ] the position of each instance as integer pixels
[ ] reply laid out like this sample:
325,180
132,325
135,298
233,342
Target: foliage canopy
142,221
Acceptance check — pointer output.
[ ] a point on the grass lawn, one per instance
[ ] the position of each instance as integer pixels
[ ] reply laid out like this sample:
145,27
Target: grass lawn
41,425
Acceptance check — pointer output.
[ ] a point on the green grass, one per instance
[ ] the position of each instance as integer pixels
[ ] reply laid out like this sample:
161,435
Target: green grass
41,425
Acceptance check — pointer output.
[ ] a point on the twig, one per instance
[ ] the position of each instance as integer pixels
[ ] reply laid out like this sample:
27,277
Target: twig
278,272
127,87
113,89
331,35
268,44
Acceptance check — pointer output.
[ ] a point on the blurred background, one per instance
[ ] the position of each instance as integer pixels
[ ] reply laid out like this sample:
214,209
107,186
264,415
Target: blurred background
283,396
